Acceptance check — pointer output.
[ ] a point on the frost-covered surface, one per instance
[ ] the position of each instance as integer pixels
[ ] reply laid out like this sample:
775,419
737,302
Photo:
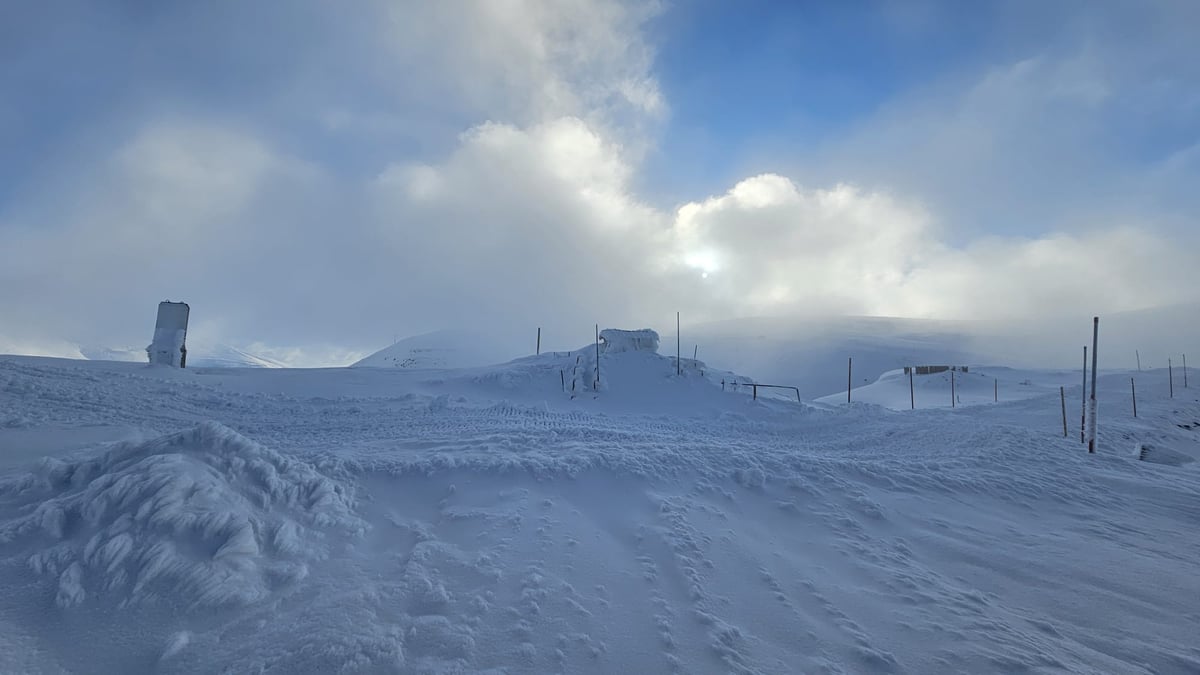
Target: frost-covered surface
395,520
614,340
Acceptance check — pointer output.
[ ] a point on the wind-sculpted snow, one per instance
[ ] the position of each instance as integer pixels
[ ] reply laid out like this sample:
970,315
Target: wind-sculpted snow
204,516
486,520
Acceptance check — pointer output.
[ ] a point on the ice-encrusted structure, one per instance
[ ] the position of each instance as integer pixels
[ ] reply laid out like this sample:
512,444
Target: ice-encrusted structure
614,340
204,516
170,334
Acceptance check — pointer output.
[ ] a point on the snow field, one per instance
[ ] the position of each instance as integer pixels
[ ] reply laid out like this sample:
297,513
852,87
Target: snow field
484,521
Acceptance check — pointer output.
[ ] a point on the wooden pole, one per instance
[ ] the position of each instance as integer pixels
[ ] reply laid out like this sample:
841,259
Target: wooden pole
1139,360
952,388
996,390
1133,391
1083,403
539,341
695,352
1092,404
912,399
1062,395
1171,378
849,377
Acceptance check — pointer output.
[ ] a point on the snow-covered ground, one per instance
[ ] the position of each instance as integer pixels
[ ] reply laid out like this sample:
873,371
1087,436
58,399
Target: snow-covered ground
518,518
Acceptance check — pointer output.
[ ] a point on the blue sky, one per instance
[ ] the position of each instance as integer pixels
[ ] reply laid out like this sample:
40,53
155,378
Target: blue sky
384,169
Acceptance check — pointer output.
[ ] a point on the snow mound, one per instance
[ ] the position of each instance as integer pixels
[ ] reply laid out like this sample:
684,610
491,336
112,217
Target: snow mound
440,349
204,516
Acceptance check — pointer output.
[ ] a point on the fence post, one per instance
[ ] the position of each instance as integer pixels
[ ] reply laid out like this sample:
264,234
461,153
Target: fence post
1092,405
1133,391
1062,395
1083,401
912,399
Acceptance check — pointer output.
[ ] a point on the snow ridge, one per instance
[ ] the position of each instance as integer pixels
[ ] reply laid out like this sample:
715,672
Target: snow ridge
205,516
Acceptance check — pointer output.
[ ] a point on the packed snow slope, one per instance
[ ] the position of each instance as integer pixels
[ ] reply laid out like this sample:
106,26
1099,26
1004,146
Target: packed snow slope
521,518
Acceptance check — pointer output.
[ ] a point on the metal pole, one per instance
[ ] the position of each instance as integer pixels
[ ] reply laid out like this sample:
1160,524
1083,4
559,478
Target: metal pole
1139,360
1092,420
912,399
539,341
597,355
1083,401
1062,395
695,352
951,387
996,390
849,377
1171,378
1185,371
1133,390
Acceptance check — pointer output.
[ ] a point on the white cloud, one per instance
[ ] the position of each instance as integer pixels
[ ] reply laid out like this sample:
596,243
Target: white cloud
773,247
524,62
532,216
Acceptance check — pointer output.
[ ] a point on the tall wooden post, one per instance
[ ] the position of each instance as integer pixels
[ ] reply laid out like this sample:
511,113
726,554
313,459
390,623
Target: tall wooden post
849,377
1083,401
912,399
1062,395
1092,404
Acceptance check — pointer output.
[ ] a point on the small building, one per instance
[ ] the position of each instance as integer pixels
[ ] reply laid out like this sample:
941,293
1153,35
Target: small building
932,370
613,340
169,347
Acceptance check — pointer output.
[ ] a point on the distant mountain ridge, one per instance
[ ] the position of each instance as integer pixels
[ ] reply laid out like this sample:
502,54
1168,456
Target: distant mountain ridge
199,356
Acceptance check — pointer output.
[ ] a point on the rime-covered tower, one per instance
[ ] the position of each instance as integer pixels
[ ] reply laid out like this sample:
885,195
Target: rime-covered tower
170,333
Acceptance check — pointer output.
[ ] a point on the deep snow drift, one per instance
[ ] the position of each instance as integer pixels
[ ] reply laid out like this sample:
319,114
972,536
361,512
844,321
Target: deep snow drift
497,518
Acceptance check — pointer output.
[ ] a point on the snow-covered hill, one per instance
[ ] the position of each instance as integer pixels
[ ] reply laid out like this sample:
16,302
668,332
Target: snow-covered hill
200,355
520,518
441,349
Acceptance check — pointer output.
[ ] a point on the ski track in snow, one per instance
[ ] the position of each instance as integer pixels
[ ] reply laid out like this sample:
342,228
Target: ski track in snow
449,529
